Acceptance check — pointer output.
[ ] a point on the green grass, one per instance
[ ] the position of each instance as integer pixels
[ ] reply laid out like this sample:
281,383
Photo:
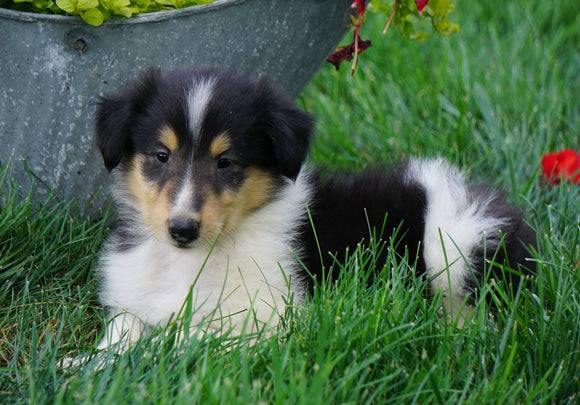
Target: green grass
493,99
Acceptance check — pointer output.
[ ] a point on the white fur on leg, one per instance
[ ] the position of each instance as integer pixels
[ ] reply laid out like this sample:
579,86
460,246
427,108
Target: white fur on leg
123,329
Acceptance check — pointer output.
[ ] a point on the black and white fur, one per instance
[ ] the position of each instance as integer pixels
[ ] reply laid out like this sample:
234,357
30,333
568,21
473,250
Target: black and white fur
214,201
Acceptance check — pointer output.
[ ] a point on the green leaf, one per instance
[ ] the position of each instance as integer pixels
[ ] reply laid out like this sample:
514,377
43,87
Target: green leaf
67,5
121,3
87,4
410,23
93,16
124,11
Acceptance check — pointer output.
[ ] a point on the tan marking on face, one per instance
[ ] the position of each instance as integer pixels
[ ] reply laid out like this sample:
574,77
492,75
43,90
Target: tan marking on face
169,138
215,212
137,185
151,201
220,144
223,212
256,191
159,212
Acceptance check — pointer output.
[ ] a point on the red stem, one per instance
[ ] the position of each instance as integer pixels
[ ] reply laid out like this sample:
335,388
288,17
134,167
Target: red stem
391,17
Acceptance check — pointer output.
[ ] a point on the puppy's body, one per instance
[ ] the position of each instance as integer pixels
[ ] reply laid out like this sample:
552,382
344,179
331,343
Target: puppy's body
214,202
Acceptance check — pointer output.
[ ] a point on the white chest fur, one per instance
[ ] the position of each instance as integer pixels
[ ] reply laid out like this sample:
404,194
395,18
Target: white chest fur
254,268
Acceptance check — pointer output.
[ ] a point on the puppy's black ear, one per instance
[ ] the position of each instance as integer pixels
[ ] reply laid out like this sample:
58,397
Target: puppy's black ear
289,130
116,113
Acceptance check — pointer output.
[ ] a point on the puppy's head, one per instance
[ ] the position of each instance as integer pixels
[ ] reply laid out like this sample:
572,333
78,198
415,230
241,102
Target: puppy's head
197,151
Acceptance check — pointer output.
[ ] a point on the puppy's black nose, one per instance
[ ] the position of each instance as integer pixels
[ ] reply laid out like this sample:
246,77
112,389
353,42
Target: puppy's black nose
184,231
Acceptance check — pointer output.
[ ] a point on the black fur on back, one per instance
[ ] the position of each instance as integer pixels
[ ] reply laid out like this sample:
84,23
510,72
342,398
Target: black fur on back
349,209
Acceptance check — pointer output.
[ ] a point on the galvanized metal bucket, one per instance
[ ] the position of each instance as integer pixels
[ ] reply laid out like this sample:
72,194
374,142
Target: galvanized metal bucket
51,67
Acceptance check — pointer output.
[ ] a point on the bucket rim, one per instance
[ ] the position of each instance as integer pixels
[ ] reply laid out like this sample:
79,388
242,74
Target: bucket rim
26,16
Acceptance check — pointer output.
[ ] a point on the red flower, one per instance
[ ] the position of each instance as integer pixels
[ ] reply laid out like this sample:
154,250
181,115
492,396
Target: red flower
345,53
421,5
350,52
361,6
563,165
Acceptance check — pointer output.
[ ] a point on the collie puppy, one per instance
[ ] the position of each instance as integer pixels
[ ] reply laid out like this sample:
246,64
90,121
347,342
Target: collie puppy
216,209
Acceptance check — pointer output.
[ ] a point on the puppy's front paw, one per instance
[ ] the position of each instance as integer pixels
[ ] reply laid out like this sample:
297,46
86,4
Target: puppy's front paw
75,362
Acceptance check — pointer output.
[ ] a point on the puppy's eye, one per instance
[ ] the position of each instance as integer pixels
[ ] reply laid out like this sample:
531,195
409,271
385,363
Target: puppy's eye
162,157
223,163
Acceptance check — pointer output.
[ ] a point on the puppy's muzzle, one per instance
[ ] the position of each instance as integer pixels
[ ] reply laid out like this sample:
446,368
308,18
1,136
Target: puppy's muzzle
184,230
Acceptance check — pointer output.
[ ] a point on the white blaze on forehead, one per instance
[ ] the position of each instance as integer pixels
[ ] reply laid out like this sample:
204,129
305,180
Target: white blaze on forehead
183,203
198,99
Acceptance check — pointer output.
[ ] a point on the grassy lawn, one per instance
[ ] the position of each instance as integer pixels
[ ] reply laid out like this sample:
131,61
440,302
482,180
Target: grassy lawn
493,99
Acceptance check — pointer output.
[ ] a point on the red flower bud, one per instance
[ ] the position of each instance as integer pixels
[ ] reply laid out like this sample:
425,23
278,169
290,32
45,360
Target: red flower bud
421,5
360,4
563,165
